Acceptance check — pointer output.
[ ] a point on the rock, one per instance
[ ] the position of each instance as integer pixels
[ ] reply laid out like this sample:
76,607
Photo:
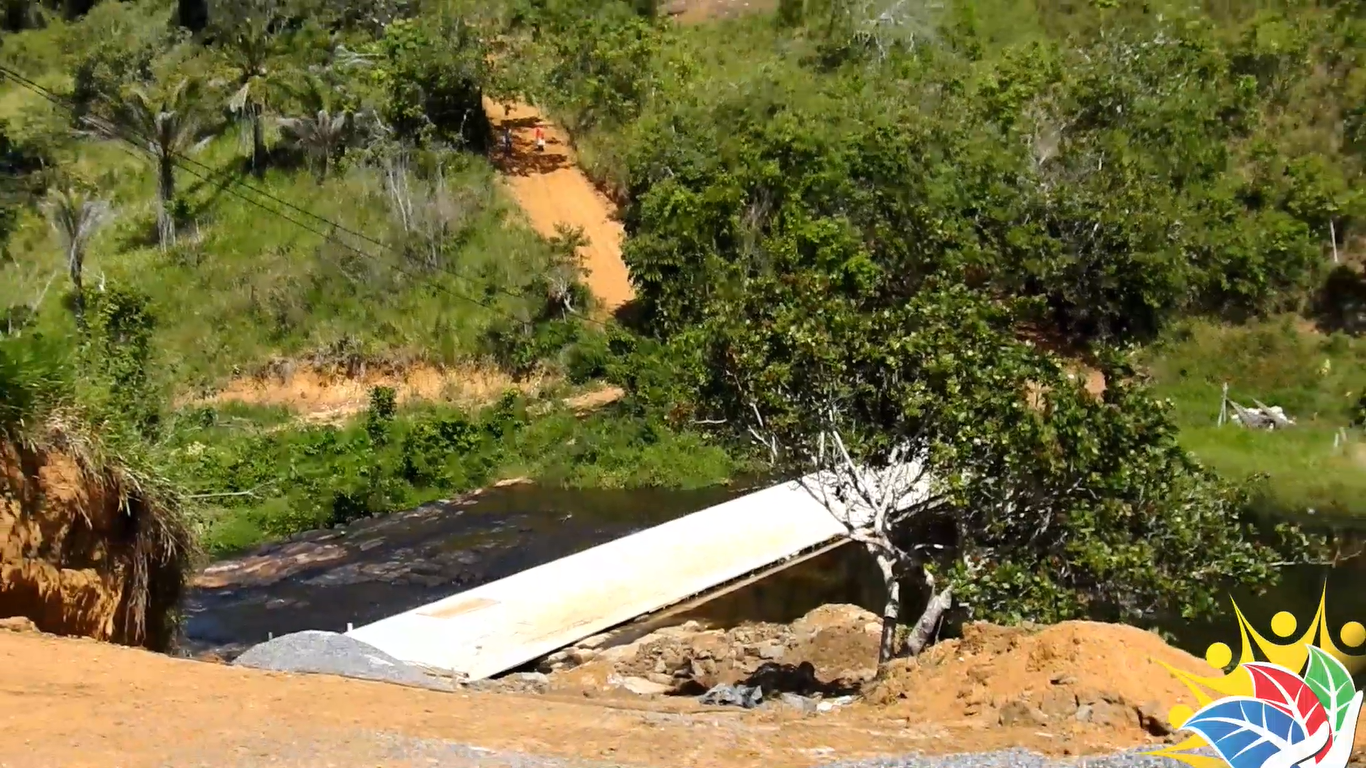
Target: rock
798,702
596,642
619,654
582,655
533,682
18,624
642,687
1153,719
772,652
664,680
746,696
829,704
1020,712
1058,703
553,662
1108,714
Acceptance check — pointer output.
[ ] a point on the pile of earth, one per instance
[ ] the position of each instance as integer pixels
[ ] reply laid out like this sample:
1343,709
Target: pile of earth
830,651
1081,681
1068,678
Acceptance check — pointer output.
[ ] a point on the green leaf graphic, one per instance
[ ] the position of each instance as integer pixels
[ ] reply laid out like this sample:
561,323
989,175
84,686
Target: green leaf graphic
1331,682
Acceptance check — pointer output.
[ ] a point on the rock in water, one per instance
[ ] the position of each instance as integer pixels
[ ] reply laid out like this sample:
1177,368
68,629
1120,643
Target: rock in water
329,653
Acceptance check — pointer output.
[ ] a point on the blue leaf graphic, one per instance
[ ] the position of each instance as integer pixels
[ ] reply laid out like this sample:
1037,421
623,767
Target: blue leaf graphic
1245,731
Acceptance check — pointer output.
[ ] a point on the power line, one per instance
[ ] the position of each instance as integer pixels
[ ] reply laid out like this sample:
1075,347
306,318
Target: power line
179,160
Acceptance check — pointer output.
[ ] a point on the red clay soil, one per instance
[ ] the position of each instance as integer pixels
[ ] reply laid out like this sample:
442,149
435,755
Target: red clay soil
78,702
70,552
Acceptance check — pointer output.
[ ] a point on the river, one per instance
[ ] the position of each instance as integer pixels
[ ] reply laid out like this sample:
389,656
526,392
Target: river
381,566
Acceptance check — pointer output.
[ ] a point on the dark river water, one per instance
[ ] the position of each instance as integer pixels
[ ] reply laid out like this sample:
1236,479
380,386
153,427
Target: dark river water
378,567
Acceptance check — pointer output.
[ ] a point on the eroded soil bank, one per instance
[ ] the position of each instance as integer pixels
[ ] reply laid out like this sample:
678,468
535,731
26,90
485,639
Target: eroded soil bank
83,549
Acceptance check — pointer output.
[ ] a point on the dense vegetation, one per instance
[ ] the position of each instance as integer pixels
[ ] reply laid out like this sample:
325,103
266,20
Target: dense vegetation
900,224
809,197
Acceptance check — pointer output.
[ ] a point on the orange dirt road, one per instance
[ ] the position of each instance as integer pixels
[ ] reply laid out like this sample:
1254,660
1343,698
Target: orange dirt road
76,703
552,190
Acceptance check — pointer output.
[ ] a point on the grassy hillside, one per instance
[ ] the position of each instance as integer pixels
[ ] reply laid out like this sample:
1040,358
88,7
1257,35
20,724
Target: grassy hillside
241,284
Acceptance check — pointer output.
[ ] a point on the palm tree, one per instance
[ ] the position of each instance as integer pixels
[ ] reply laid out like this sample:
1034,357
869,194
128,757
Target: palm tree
321,133
249,45
76,218
165,124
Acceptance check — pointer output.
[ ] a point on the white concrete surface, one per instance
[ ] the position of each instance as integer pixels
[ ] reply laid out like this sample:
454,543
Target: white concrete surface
486,630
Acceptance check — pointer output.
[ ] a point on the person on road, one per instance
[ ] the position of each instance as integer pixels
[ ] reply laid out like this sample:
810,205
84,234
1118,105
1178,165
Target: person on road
507,141
540,139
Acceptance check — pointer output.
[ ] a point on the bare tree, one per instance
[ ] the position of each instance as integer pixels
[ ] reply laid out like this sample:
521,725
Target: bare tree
433,218
166,124
877,505
76,218
566,268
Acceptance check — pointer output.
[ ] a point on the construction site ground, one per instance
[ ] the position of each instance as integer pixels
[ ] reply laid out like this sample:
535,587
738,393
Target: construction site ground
73,702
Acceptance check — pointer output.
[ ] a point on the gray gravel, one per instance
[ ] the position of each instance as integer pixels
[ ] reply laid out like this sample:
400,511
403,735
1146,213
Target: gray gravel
330,653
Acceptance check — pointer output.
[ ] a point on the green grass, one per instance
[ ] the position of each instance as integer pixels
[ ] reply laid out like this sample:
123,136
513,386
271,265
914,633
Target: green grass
1317,379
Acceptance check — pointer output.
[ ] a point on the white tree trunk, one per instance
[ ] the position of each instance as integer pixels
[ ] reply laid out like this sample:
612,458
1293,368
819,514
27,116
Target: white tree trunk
891,611
925,627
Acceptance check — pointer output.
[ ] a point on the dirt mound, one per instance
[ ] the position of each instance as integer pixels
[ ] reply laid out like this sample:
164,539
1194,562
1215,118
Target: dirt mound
83,548
1076,686
1071,676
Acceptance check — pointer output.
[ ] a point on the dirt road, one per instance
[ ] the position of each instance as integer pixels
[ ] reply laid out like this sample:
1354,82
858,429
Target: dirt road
552,190
74,703
81,703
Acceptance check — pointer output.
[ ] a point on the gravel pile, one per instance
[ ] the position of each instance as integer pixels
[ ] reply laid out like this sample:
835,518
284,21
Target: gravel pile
329,653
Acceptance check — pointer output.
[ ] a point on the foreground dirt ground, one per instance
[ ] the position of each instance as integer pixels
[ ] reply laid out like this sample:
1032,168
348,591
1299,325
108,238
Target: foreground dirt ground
68,702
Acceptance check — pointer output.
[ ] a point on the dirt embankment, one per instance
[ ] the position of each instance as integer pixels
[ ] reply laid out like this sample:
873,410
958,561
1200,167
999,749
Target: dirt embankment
83,549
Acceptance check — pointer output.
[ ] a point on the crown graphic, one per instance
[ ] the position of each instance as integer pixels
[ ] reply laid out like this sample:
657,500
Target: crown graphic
1291,651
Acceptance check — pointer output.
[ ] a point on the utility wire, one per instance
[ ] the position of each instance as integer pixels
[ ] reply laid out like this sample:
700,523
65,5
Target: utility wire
180,161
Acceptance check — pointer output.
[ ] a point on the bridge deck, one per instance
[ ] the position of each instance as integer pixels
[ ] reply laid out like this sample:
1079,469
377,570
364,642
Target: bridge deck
489,629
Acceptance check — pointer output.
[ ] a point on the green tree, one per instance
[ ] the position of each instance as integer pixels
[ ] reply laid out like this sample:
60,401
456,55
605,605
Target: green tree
968,464
323,130
245,31
432,73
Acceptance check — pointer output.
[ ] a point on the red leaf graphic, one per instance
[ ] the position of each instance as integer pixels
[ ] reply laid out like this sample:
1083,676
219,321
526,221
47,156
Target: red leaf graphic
1279,686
